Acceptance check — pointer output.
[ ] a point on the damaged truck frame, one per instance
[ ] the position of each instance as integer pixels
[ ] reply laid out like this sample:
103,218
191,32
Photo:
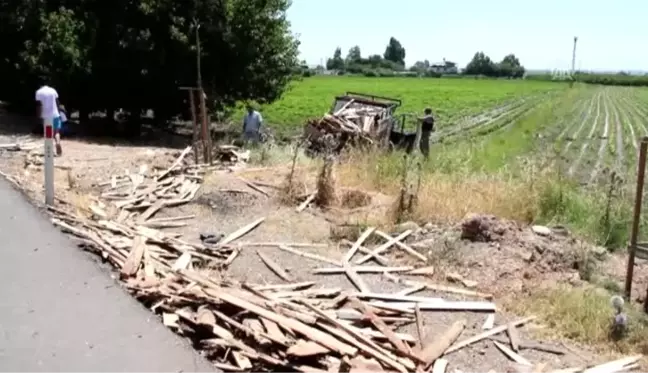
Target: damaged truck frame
359,119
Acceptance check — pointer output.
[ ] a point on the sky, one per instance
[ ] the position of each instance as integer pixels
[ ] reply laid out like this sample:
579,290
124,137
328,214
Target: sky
612,35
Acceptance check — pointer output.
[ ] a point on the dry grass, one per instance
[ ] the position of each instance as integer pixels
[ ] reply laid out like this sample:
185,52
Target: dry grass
446,197
442,197
584,315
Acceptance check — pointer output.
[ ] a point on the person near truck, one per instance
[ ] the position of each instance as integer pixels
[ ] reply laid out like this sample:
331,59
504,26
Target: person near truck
427,127
252,123
47,100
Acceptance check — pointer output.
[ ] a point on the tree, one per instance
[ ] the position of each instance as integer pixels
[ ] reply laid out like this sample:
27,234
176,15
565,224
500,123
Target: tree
335,63
420,66
510,67
395,52
134,55
480,65
354,55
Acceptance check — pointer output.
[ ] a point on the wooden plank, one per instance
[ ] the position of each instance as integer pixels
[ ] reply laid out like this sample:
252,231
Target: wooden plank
377,257
274,267
355,279
512,354
440,366
363,237
175,163
539,368
242,361
419,326
245,329
256,326
434,349
134,259
439,306
378,335
404,247
614,366
361,342
308,255
398,298
486,334
514,337
240,232
411,290
306,202
273,329
424,271
254,187
381,326
306,348
313,334
380,249
436,287
182,262
533,346
361,269
294,286
489,322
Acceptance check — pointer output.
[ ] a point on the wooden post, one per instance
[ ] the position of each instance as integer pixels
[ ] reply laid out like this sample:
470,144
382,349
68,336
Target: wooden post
194,123
419,133
205,131
636,218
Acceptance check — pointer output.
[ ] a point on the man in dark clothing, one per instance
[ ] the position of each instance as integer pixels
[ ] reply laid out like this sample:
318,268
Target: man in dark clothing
427,127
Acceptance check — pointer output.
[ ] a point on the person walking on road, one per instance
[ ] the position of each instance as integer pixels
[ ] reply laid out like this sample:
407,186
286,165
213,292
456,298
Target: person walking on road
427,127
252,123
48,110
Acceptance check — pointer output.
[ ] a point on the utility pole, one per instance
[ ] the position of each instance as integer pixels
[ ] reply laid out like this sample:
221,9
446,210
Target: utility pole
573,66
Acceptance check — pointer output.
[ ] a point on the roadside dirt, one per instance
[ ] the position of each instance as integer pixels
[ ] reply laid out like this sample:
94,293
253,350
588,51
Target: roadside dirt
482,253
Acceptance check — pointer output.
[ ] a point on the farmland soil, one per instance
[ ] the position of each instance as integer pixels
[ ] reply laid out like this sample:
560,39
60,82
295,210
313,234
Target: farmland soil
481,253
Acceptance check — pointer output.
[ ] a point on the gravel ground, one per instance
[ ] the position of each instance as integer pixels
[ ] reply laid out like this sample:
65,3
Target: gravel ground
224,212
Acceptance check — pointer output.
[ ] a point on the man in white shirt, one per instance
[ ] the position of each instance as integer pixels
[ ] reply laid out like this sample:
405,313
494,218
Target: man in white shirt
252,125
48,111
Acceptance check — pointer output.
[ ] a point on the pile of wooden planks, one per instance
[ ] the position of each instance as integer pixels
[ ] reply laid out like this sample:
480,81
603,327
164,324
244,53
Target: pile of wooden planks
352,118
295,326
356,122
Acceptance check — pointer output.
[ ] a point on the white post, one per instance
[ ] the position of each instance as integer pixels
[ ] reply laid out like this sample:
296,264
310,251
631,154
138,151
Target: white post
49,161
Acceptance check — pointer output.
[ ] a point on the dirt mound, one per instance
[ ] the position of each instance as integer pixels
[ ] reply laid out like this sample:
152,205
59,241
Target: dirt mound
227,202
487,228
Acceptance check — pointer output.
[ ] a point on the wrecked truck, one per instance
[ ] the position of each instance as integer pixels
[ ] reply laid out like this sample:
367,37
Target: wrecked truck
357,119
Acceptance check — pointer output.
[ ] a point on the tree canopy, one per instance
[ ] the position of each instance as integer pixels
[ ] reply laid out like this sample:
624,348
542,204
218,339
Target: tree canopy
395,52
136,54
335,63
481,64
354,55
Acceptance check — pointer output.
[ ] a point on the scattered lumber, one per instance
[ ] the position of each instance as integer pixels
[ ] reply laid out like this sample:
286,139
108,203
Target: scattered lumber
289,326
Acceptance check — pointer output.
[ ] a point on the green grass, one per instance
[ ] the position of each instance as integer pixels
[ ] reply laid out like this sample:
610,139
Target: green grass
584,315
448,98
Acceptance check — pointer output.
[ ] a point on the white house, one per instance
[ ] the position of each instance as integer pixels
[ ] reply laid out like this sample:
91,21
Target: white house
445,67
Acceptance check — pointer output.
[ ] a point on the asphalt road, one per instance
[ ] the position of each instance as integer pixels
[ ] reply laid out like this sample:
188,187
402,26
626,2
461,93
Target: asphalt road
60,310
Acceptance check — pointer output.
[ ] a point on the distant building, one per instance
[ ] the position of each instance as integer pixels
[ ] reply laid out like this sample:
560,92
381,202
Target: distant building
445,67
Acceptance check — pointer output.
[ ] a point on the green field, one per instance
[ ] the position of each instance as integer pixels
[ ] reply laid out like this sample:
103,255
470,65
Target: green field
527,150
449,98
